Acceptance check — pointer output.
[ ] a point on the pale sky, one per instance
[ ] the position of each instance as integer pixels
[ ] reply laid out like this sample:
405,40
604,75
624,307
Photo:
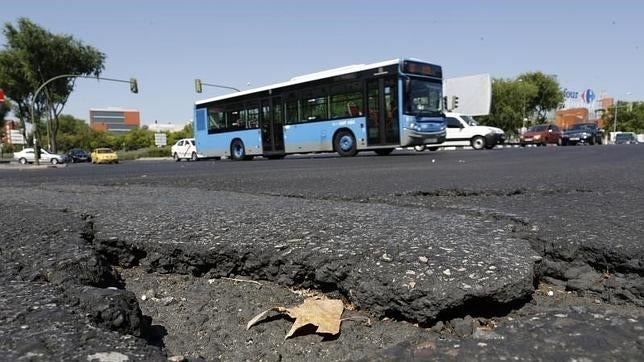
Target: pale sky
167,44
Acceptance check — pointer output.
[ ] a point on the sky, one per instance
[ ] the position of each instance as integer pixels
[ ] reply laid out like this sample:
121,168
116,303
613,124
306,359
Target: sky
252,43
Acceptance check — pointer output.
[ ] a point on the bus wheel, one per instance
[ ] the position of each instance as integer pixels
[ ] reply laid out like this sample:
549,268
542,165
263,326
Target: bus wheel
478,143
383,151
345,144
237,150
420,148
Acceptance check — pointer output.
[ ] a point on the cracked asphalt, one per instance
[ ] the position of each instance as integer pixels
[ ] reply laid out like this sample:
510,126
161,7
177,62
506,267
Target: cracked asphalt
452,255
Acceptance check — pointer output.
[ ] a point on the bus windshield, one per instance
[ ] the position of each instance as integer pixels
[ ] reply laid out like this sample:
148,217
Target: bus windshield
423,97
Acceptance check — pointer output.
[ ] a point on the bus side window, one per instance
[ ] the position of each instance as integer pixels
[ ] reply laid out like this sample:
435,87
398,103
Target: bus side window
353,109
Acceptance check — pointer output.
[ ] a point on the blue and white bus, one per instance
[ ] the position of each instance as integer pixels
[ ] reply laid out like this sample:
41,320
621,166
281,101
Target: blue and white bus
344,110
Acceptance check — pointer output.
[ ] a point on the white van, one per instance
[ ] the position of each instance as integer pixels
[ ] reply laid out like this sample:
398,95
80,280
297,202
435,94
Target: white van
185,149
463,130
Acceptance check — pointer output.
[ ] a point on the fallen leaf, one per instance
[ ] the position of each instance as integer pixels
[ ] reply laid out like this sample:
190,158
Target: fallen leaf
325,314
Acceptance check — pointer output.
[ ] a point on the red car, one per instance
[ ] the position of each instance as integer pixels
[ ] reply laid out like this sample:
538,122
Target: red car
541,135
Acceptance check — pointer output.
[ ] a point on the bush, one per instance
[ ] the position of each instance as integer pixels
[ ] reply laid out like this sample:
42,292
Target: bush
144,152
157,152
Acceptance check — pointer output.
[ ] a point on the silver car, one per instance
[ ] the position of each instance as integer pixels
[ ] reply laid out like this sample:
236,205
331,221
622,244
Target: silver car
27,156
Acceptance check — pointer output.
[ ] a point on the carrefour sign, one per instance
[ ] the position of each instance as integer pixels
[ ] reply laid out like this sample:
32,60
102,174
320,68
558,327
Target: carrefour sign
586,96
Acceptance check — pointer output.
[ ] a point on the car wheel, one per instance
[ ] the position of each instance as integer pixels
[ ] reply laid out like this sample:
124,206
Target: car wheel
420,148
176,157
22,161
54,161
478,142
522,144
433,149
591,141
237,150
193,157
344,144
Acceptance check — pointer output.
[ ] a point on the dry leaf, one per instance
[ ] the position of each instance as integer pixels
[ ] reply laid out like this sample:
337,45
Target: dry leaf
323,313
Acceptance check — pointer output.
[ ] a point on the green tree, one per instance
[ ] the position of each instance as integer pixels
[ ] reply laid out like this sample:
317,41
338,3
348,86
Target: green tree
17,90
630,117
137,138
4,110
186,132
530,95
38,55
510,102
548,96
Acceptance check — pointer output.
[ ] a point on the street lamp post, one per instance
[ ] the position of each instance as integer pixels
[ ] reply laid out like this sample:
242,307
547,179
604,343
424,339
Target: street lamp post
133,87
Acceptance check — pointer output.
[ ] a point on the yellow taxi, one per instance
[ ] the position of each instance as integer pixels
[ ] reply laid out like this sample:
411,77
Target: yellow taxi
104,155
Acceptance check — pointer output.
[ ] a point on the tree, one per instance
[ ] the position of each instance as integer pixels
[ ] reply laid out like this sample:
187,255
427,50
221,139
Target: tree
186,132
630,117
13,80
4,110
35,55
510,100
531,96
548,96
138,138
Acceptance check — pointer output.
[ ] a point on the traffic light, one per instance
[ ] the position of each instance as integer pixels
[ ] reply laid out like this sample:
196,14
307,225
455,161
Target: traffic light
454,102
198,85
134,86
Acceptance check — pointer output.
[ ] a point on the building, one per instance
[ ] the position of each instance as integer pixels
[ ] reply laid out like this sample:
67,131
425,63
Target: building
12,132
114,120
582,107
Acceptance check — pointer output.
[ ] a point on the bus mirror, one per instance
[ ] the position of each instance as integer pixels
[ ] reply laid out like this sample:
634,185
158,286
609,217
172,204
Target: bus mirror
407,85
198,87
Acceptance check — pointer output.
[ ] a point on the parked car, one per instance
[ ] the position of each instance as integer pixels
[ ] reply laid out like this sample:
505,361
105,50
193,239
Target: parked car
185,149
625,138
27,155
462,130
582,133
541,135
104,155
77,155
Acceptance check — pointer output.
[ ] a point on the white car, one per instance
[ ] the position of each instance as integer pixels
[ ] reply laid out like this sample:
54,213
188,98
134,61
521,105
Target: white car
185,149
27,155
463,130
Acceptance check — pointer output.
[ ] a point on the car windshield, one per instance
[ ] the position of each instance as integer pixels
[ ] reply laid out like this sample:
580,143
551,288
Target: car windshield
581,126
539,128
624,136
470,120
423,97
104,150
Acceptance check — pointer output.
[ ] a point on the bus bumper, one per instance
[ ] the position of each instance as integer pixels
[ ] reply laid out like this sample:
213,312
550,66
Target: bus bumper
412,137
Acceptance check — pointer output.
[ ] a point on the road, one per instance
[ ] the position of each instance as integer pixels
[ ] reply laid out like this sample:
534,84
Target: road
503,247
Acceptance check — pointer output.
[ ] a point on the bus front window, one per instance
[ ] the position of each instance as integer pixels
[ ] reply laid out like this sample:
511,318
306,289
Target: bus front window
423,97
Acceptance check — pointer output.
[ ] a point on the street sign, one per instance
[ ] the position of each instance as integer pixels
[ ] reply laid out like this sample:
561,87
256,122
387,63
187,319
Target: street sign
16,137
160,139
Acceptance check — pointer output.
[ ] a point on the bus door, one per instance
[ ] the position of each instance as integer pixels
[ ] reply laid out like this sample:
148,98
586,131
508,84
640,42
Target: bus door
272,125
382,112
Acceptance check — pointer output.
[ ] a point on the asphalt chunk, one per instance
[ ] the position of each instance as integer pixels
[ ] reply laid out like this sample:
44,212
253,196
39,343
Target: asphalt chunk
401,262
